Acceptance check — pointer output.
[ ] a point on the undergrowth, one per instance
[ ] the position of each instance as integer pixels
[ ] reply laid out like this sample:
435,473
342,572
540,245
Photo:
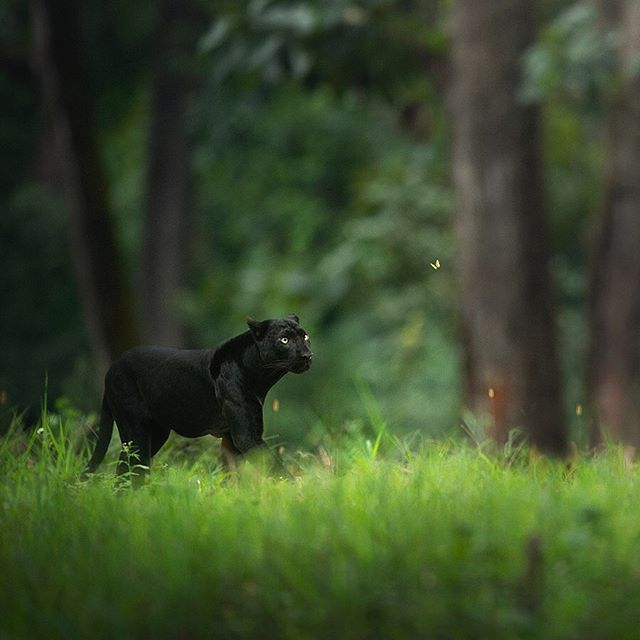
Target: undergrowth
376,537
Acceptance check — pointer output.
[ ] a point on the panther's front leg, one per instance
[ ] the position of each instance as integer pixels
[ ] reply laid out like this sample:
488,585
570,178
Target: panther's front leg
245,425
230,453
243,420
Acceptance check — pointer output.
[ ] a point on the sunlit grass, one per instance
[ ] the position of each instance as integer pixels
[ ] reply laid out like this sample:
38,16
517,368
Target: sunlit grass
373,539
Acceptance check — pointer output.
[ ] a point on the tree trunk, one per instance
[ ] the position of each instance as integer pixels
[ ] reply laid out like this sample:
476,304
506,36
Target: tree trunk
615,278
104,294
512,372
166,223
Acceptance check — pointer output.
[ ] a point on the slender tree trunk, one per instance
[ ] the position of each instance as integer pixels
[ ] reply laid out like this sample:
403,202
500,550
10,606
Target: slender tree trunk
102,287
166,223
512,372
615,283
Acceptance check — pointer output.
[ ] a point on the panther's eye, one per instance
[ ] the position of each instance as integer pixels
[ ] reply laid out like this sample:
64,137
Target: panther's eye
306,338
284,340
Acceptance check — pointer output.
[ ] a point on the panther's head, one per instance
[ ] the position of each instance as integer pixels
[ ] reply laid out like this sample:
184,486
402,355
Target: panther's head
282,344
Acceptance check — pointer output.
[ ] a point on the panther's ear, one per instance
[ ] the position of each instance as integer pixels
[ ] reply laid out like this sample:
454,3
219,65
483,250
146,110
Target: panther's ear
258,328
294,317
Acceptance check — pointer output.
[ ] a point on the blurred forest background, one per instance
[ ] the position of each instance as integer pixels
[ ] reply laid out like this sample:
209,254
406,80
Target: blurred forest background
447,193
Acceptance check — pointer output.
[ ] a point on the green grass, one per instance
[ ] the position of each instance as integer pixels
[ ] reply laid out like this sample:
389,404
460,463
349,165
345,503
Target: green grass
373,540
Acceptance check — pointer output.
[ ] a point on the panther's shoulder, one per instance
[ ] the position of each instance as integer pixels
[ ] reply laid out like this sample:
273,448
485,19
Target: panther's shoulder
230,352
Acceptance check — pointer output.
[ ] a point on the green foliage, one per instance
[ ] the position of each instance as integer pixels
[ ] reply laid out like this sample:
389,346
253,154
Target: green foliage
310,191
336,43
575,57
41,326
437,540
309,204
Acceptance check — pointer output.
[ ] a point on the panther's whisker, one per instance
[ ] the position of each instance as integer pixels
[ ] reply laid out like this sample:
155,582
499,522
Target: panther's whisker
275,365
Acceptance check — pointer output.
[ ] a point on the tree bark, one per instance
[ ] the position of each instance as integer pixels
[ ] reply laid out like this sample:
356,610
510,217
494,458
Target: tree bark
512,373
166,224
615,276
103,290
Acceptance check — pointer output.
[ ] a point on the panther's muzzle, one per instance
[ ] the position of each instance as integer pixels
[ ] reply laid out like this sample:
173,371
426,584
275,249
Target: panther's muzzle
303,363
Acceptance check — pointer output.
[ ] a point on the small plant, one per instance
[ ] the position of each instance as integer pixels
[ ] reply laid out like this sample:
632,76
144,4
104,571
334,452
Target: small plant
131,473
514,450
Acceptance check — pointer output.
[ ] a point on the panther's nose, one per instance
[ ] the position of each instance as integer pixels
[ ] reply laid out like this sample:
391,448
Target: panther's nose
308,356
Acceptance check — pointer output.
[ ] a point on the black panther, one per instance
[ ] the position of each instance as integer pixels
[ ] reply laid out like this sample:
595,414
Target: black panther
149,391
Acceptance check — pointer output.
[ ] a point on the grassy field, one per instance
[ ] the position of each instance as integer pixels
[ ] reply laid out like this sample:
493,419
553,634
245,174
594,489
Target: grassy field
372,540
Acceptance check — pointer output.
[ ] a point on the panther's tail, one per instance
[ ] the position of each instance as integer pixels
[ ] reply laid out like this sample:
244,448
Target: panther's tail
105,430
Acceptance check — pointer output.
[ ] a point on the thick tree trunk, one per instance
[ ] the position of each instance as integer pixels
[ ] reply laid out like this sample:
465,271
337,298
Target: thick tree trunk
102,287
615,283
166,223
512,372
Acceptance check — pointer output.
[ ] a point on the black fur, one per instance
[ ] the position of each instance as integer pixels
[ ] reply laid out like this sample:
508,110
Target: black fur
151,390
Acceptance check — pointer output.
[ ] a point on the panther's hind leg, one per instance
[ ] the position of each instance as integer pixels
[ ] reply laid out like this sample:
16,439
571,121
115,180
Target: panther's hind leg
159,436
140,443
141,437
